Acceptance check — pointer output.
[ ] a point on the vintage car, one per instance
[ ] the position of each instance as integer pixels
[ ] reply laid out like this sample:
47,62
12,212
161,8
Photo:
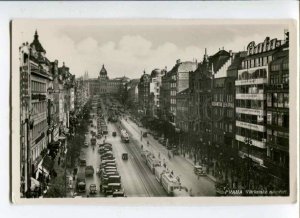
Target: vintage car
125,156
93,189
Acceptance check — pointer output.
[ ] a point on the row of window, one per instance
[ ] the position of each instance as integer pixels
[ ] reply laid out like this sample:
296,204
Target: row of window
257,62
252,134
223,97
278,100
39,107
276,79
278,118
276,67
173,85
173,93
220,112
38,86
173,101
253,104
35,152
250,89
227,127
277,137
38,128
248,118
182,108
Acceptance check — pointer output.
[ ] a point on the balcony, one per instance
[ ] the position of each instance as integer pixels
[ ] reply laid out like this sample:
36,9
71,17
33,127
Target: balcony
256,143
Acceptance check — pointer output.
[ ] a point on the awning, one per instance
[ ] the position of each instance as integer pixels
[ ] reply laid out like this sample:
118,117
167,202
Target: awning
34,184
43,171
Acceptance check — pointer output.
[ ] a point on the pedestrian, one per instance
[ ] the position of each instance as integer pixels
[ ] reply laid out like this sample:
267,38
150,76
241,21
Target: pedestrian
158,155
58,161
198,176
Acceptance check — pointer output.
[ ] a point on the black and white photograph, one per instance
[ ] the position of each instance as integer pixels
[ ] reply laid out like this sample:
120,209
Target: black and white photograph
151,108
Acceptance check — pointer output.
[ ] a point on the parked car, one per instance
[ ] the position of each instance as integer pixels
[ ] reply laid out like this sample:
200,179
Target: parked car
93,189
89,171
82,162
125,156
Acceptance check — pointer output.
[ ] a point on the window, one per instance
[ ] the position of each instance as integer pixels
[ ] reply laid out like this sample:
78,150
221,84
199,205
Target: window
269,99
269,117
280,119
286,100
230,127
275,99
280,99
285,78
274,118
275,67
285,65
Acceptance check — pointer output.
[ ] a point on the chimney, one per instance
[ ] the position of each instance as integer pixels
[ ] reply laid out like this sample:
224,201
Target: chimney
178,61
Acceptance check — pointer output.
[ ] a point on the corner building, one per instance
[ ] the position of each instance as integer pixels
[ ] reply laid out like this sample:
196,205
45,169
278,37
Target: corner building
251,101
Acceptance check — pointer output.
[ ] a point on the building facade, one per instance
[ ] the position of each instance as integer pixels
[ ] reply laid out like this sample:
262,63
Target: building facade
179,81
155,84
251,100
144,94
105,86
277,160
182,109
41,97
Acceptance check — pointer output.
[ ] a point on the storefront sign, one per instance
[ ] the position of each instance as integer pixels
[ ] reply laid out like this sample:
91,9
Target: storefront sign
251,126
254,142
250,111
250,82
251,96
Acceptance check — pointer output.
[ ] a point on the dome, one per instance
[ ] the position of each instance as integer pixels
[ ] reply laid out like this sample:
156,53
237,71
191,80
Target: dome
155,73
145,77
103,71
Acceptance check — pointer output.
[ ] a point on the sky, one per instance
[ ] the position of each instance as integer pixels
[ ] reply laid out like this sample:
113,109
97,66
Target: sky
128,48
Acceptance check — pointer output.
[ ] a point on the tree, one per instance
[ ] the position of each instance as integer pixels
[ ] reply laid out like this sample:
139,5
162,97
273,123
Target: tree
57,188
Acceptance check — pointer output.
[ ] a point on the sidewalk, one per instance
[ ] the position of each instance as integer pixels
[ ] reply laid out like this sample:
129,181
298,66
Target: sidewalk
63,173
191,161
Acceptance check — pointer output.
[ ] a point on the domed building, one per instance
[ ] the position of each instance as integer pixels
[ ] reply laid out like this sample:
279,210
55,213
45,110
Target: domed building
105,86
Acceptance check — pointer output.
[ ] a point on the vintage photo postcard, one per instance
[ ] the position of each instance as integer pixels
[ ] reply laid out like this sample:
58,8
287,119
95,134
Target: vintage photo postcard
153,111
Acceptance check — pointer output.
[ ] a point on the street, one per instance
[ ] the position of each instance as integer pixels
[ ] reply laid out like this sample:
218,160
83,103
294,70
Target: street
136,177
181,167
